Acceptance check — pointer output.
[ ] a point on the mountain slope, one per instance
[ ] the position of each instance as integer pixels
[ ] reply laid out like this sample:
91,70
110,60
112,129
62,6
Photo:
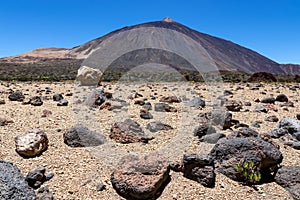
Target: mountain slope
227,55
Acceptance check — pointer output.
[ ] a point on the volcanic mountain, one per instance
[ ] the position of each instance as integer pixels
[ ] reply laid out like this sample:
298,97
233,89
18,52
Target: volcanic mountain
226,55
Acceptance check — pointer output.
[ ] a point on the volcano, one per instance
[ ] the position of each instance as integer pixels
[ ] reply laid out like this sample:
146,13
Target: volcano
226,55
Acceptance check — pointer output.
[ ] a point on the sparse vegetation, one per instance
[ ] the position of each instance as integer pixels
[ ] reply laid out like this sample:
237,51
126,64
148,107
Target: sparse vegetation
249,171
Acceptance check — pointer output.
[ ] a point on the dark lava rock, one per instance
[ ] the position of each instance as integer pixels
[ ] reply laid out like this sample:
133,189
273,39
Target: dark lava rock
291,125
141,178
43,193
289,178
139,102
62,102
261,108
57,97
227,92
5,121
268,100
247,103
278,132
228,152
220,118
128,131
163,107
170,99
80,136
158,126
255,124
16,96
100,187
95,98
13,184
202,130
272,118
246,132
37,177
294,145
145,114
233,105
147,106
212,138
199,168
298,116
196,102
282,98
36,101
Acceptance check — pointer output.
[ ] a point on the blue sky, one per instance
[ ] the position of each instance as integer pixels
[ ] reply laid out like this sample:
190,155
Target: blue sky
270,27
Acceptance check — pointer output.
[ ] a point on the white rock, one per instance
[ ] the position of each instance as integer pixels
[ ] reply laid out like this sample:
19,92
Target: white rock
31,144
88,76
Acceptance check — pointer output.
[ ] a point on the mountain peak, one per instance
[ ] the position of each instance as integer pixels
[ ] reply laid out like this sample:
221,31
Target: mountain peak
168,19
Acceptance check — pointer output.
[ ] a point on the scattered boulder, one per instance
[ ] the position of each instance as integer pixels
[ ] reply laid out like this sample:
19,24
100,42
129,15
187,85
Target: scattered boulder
57,97
233,105
111,105
128,131
141,178
147,106
293,144
218,117
43,193
145,114
95,98
282,98
229,152
16,96
199,168
204,129
261,108
247,103
289,178
37,177
298,116
163,107
100,187
62,102
80,136
158,126
278,132
32,144
2,101
270,100
46,113
291,125
13,184
139,102
196,102
5,121
88,76
36,101
246,132
272,118
170,99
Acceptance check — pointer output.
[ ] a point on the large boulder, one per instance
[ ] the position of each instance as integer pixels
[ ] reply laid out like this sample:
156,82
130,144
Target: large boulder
80,136
231,151
291,125
88,76
32,144
141,177
128,131
13,184
289,178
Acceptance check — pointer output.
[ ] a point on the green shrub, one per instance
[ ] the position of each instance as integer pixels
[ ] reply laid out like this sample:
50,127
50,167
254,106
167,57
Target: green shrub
249,172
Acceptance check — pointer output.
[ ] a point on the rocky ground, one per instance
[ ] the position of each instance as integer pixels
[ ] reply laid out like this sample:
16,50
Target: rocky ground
81,172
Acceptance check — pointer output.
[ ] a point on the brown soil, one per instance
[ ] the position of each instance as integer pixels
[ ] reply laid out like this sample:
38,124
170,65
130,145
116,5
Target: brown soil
79,170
